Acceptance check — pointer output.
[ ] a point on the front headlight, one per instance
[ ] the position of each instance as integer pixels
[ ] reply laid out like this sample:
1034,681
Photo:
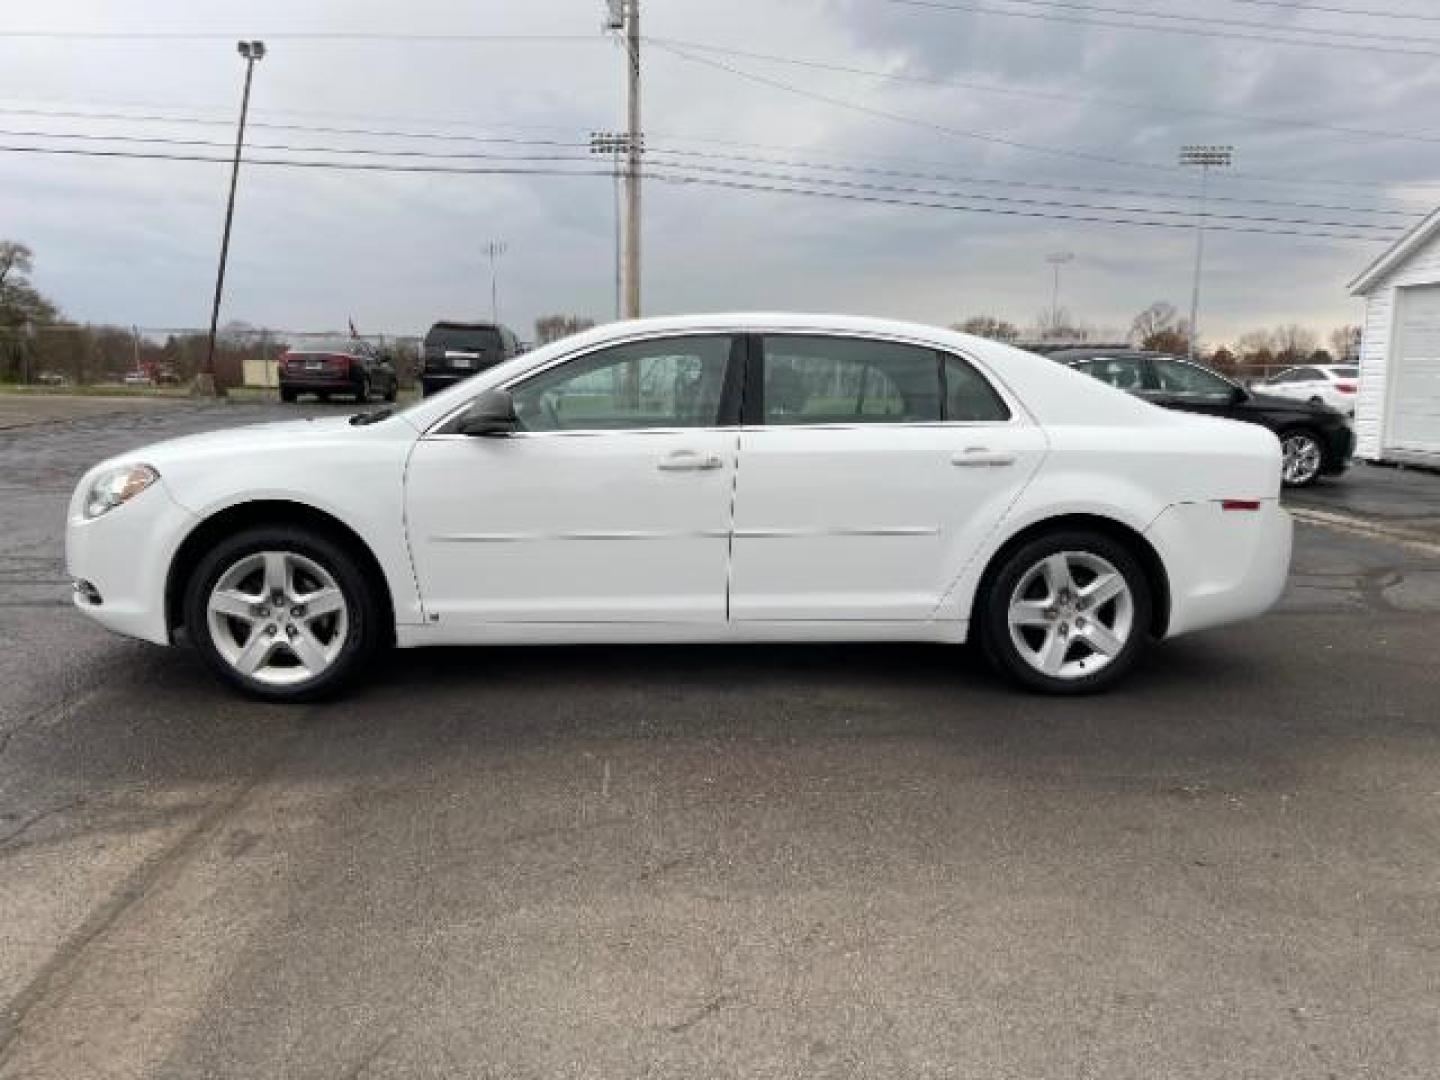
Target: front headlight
116,486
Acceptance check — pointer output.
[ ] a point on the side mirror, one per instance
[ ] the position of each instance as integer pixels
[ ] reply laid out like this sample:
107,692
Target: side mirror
492,414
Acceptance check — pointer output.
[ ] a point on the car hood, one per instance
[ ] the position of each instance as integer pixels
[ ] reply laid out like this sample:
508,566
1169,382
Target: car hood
240,441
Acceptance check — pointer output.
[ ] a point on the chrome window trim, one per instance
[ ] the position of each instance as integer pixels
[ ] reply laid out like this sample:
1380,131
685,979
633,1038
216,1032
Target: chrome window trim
1019,414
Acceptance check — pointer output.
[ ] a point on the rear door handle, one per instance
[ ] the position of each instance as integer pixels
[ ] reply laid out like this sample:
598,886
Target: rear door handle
981,457
688,461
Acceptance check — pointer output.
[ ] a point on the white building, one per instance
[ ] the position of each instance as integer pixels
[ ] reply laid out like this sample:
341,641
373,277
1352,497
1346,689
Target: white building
1397,414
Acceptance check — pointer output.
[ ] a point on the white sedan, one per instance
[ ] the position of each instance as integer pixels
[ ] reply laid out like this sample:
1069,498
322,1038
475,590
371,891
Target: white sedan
710,478
1335,385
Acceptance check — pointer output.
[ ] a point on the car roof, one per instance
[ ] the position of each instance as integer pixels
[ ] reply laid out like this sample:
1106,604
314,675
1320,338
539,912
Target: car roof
451,324
1114,354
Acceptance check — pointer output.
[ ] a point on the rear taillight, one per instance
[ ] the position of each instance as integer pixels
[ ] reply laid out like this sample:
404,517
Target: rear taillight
1240,504
1346,387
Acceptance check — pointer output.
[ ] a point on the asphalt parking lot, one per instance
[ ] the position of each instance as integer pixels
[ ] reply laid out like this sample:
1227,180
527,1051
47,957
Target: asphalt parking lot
713,862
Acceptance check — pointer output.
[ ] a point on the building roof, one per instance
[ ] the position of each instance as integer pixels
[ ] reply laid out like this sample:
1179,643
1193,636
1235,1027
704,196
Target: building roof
1396,254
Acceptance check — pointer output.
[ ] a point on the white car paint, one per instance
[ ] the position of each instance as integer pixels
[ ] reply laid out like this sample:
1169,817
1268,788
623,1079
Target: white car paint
1328,386
805,533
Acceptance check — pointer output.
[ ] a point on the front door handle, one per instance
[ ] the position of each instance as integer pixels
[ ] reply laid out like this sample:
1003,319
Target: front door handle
689,461
981,457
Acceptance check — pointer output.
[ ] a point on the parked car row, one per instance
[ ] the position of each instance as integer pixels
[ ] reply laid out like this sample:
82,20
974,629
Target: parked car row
1317,440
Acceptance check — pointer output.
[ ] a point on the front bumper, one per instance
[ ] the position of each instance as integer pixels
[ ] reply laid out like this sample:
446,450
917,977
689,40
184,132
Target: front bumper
1339,449
124,556
1223,565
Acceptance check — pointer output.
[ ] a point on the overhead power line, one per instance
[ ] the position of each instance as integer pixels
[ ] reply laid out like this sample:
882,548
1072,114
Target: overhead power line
1049,95
736,185
451,136
913,121
662,151
1213,20
1085,20
295,35
1258,224
1325,9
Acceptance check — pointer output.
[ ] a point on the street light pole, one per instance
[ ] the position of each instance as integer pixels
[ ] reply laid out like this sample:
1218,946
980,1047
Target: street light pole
1057,259
252,51
1206,157
495,249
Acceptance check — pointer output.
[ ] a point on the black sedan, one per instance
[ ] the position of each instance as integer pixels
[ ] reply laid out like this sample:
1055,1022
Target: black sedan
351,369
1317,440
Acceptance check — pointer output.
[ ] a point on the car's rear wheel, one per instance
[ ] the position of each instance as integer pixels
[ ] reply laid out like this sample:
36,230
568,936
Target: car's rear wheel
1302,457
1067,613
394,391
282,613
287,395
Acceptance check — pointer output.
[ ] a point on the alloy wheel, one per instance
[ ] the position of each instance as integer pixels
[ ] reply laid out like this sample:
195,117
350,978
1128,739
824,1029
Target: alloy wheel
1071,615
1301,458
278,618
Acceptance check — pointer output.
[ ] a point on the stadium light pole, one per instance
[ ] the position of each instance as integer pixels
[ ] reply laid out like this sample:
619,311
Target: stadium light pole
205,385
1205,158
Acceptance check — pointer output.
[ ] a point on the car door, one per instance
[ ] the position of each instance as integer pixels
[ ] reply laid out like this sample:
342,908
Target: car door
1179,384
871,470
611,504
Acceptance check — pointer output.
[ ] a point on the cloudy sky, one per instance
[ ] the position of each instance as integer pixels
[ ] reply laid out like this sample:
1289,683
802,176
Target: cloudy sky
1031,106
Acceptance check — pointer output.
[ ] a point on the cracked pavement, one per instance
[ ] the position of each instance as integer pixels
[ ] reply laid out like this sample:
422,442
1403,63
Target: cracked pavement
717,861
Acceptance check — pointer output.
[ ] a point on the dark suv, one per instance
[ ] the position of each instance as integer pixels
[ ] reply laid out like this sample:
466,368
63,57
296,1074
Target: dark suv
457,350
352,369
1317,440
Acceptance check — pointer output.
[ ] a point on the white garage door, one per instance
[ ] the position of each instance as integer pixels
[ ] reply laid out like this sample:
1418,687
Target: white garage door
1414,421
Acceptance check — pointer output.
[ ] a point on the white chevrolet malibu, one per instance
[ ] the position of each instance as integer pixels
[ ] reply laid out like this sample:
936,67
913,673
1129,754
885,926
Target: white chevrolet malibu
701,479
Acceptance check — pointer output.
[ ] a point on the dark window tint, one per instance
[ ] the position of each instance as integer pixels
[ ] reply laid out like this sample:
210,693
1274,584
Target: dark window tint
1123,372
1187,380
969,395
468,338
835,380
669,383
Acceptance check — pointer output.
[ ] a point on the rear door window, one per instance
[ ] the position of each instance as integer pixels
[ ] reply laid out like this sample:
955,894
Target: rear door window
840,380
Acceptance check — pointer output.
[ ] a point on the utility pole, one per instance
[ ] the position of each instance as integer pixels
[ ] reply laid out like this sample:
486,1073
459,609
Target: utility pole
1057,259
252,51
624,16
495,249
1206,157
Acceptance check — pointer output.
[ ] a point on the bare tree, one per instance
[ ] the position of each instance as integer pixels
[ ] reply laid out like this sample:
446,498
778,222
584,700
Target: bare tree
1345,344
989,326
550,328
1160,327
1293,343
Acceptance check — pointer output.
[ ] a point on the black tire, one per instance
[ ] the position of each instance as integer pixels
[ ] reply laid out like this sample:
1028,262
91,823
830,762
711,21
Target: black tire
365,633
394,391
1290,435
1000,584
363,394
288,395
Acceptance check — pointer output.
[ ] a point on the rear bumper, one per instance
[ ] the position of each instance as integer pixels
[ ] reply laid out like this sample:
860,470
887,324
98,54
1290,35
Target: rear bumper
434,383
302,383
1339,449
1223,565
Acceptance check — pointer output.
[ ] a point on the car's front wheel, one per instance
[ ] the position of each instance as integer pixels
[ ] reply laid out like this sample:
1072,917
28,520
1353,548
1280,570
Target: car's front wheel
282,613
1302,458
1067,613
